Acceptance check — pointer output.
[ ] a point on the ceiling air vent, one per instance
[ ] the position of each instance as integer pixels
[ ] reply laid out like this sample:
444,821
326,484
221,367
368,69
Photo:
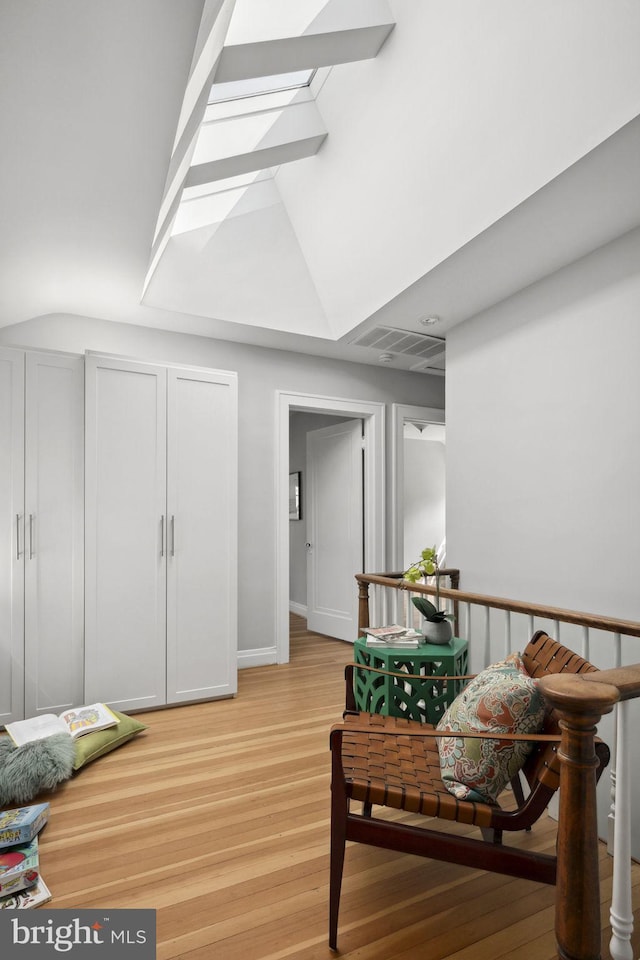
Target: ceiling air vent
429,351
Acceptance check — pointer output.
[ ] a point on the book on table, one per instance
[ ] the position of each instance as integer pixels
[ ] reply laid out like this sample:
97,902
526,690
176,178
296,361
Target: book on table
22,824
76,722
392,636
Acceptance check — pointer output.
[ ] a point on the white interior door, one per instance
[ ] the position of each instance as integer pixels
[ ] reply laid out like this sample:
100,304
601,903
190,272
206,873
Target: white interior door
334,528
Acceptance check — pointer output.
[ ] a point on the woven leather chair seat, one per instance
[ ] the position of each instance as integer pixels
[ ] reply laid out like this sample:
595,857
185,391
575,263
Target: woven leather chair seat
403,772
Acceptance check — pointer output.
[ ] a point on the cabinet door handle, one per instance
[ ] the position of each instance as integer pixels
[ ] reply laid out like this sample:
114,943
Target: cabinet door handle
30,536
173,536
162,535
17,536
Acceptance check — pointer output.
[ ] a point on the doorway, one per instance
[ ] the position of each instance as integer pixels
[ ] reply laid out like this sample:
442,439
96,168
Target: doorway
424,417
372,416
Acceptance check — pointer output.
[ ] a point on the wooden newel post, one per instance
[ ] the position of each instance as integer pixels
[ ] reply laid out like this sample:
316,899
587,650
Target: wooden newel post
580,706
363,606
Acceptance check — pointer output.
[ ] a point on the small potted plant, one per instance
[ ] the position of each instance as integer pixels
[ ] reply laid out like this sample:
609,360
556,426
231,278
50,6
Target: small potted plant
436,627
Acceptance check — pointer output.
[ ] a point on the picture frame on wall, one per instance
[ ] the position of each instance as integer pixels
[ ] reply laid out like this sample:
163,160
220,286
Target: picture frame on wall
295,501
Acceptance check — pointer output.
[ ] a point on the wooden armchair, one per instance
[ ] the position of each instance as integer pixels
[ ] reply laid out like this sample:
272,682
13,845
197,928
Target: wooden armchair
392,762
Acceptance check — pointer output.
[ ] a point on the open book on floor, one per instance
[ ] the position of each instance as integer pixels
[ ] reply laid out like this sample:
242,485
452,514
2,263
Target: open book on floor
76,722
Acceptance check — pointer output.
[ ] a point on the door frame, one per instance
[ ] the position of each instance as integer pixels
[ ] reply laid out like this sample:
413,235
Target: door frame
402,413
373,417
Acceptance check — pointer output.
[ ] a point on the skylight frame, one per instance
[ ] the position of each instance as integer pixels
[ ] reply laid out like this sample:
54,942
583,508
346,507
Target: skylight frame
257,86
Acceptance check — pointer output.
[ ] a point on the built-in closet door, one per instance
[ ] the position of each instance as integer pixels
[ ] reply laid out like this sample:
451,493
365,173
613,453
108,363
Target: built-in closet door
11,534
53,541
125,623
202,535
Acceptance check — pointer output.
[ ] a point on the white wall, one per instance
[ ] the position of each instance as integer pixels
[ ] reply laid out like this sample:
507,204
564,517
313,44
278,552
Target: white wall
543,451
260,373
543,420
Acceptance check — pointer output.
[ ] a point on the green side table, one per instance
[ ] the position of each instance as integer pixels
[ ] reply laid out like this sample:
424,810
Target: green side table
425,699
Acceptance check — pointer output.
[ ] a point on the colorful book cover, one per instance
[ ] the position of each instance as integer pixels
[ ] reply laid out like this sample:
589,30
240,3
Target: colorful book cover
17,861
22,824
77,722
14,884
27,899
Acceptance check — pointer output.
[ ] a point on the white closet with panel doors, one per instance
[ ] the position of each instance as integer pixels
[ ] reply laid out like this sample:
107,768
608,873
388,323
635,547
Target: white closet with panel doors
41,532
161,533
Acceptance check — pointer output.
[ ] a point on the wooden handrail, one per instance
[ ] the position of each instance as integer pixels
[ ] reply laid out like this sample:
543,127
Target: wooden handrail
629,628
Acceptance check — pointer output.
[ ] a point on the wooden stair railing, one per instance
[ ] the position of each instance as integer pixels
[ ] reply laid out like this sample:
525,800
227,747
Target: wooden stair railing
581,701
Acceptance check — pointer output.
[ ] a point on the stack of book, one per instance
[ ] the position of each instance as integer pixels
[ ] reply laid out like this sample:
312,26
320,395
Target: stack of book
392,636
21,886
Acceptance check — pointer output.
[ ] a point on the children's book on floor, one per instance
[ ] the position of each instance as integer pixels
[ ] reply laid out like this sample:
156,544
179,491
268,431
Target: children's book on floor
34,896
18,862
22,824
13,885
75,722
21,886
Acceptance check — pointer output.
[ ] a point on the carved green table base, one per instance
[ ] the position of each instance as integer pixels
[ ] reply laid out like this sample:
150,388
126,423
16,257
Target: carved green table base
425,699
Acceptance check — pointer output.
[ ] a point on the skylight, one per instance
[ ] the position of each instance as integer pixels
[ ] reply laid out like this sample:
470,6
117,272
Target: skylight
254,86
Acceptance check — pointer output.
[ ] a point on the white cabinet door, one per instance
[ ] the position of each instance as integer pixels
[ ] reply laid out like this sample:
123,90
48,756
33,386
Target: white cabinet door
125,517
11,534
202,535
53,555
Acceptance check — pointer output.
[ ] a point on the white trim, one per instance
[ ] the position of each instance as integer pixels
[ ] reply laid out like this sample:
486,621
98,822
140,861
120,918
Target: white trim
373,415
299,608
400,413
259,657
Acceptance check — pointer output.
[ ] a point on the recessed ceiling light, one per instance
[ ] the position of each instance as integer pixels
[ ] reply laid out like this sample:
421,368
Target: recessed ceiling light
428,321
385,358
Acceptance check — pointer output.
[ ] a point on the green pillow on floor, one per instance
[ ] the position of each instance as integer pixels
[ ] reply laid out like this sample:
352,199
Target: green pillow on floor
94,745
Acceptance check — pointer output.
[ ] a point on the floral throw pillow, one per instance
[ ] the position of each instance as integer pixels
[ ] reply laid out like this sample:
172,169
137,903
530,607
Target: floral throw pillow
503,699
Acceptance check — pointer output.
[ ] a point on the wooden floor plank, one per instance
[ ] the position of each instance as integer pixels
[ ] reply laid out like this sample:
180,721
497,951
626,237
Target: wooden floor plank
218,817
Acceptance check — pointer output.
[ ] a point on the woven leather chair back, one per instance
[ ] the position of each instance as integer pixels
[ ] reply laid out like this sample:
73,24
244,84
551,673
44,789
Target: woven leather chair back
543,657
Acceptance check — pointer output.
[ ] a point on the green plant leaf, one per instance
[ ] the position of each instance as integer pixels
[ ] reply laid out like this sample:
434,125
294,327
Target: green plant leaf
427,609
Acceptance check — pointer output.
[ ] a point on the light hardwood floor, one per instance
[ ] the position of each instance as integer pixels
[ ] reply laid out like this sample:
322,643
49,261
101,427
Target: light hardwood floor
218,817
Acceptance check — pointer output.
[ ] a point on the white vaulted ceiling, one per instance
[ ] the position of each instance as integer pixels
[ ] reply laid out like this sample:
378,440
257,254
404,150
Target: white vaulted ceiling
442,157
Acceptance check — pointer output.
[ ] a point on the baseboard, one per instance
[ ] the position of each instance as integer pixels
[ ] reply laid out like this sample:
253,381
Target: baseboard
298,608
260,657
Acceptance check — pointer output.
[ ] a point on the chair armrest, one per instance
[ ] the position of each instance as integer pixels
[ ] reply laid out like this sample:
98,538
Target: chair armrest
419,731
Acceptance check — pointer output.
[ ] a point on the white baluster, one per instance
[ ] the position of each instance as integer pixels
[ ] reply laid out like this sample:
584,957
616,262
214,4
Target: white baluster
507,633
556,631
611,819
467,615
617,640
487,637
621,915
585,642
531,625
